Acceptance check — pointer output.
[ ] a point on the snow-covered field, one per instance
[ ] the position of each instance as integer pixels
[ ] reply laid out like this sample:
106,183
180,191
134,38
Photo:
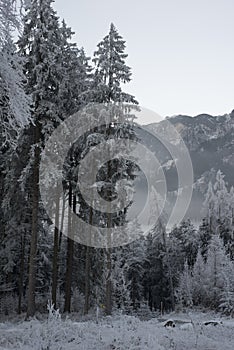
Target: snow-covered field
119,333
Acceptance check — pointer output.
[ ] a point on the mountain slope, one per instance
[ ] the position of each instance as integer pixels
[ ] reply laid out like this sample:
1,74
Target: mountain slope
210,141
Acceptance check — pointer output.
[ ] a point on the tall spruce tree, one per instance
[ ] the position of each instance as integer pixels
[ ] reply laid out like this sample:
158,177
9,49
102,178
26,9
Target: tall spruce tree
51,66
110,72
14,117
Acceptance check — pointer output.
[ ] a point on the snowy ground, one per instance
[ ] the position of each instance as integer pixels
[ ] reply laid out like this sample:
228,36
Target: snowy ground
119,333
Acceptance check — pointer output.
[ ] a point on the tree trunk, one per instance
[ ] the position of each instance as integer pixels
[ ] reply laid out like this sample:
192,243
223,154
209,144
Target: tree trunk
109,269
108,250
31,307
87,266
108,284
87,280
70,248
55,252
62,222
21,277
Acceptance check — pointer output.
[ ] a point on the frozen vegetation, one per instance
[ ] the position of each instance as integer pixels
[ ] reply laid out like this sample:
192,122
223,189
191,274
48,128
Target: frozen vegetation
120,332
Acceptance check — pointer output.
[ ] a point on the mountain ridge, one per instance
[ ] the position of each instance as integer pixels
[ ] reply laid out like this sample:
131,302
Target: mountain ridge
210,142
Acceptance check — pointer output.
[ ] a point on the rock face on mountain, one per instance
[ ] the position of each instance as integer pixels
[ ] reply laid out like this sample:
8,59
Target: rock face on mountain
210,141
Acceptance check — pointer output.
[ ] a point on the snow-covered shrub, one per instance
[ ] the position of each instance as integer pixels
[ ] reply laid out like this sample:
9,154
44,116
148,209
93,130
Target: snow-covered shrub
60,299
54,315
77,301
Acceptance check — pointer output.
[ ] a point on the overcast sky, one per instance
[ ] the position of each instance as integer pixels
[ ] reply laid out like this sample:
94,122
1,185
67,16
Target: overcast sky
181,51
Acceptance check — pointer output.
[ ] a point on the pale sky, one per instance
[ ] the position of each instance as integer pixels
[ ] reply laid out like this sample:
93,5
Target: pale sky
181,51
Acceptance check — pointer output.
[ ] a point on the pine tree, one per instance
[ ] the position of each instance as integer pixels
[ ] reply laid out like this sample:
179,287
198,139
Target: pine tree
198,276
185,289
230,241
111,69
186,241
218,210
74,88
44,47
14,118
110,72
14,103
221,194
209,207
226,303
215,266
204,236
158,283
73,95
136,258
209,283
